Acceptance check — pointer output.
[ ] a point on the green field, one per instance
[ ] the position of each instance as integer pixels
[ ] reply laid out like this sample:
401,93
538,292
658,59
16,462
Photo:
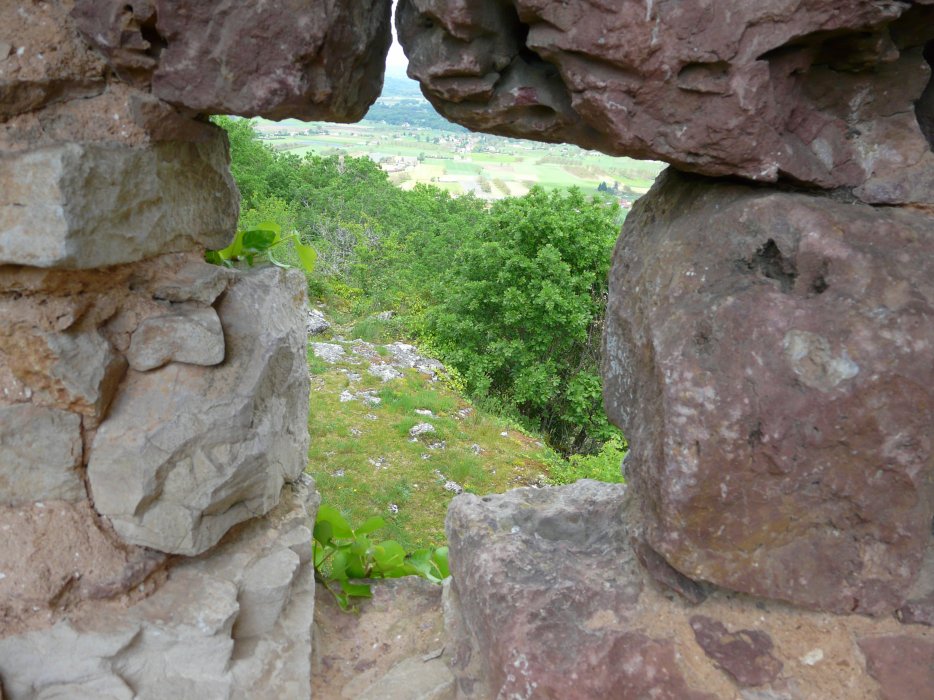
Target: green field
459,161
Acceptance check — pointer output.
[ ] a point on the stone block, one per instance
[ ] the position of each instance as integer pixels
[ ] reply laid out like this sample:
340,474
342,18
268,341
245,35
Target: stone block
74,370
540,599
321,60
767,355
180,642
40,452
825,93
43,59
176,472
86,206
185,333
547,601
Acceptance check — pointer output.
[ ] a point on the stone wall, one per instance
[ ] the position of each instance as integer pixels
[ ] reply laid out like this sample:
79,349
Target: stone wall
153,408
767,352
768,346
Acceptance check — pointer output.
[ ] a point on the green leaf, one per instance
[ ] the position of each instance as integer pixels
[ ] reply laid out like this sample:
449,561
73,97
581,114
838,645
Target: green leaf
307,256
324,531
259,239
339,565
440,559
356,568
371,525
357,590
340,527
234,249
388,555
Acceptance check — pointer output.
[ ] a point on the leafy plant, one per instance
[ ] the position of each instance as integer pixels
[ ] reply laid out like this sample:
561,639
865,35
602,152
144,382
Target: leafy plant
603,466
344,557
263,243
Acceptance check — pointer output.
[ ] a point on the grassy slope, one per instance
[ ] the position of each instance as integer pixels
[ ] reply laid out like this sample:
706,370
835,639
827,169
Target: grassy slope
346,436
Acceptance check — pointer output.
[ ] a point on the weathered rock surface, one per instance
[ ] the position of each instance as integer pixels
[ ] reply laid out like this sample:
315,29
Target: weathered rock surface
393,649
547,601
822,93
539,627
214,450
55,554
190,334
768,356
32,75
75,370
317,323
235,623
40,451
319,60
86,206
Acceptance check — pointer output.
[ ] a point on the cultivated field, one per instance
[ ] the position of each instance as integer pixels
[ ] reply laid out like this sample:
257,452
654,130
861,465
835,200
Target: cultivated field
450,157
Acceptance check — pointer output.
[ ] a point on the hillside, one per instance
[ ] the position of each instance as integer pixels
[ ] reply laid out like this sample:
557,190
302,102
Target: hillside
391,436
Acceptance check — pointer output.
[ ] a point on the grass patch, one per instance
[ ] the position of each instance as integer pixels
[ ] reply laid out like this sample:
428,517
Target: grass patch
366,464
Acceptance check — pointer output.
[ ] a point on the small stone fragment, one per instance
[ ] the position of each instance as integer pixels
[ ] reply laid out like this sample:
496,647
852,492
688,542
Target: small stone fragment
189,334
316,323
421,429
745,654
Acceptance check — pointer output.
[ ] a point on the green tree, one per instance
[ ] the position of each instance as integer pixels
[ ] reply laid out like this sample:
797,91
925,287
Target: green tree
523,309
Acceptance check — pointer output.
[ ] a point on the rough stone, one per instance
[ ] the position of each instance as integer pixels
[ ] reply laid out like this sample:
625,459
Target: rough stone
42,59
768,356
73,370
745,654
547,601
384,372
55,555
822,93
86,206
184,277
317,323
214,450
40,451
329,352
392,649
186,333
214,629
539,628
904,666
321,60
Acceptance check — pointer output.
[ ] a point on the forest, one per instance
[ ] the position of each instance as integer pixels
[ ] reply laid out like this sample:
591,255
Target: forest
510,295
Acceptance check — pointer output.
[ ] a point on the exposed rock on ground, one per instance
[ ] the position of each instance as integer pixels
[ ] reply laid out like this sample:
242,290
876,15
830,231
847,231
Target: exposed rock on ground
768,356
822,93
394,649
320,60
548,601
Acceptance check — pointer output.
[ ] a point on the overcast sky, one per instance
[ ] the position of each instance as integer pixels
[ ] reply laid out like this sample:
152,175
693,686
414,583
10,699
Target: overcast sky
395,62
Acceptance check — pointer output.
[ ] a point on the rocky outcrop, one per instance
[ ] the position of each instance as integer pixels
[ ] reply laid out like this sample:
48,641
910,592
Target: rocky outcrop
218,446
236,623
768,356
548,601
822,93
310,60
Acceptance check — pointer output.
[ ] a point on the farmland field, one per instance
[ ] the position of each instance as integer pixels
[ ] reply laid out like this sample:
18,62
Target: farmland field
414,144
